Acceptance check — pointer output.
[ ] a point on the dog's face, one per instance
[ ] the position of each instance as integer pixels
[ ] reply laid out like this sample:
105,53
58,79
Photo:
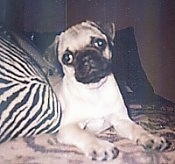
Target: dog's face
85,51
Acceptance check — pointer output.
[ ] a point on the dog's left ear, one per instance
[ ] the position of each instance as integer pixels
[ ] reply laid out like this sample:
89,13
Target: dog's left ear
106,27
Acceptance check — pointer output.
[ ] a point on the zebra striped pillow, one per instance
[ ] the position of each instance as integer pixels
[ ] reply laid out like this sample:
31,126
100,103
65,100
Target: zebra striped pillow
28,104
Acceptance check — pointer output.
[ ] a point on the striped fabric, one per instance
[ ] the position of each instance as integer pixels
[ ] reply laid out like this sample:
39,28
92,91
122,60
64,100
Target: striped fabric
28,105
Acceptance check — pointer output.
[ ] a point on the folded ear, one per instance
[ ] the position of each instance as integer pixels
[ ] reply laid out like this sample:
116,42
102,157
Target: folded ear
106,27
51,53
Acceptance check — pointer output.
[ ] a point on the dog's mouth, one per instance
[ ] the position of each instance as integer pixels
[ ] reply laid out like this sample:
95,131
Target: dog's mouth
91,67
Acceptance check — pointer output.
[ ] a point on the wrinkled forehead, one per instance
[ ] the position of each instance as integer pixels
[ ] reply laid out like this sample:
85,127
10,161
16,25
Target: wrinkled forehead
78,36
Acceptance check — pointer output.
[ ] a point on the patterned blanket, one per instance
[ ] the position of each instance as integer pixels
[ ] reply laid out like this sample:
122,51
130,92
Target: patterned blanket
45,149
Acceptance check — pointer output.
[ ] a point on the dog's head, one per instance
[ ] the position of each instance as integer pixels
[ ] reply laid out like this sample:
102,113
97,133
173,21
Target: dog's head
85,51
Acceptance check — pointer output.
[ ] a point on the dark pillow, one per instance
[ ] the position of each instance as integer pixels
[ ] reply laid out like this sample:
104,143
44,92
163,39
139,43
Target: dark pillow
129,72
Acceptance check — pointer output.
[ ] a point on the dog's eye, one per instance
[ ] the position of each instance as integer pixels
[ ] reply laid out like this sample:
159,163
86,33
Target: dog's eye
67,58
100,43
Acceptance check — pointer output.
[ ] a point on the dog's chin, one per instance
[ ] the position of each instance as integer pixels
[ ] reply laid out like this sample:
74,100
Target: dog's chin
93,78
93,75
97,84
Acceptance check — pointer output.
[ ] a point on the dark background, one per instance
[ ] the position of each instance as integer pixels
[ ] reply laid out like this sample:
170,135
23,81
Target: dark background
153,21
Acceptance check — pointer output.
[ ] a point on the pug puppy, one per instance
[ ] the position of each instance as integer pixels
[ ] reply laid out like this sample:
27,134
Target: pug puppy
89,95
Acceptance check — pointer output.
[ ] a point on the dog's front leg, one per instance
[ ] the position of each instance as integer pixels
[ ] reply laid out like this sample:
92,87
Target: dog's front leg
129,129
93,147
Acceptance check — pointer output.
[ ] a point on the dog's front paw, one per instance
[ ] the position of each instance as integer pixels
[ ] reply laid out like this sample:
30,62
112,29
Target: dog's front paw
152,142
101,151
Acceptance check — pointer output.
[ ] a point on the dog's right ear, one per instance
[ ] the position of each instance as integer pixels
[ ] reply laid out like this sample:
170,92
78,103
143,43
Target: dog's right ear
51,55
51,52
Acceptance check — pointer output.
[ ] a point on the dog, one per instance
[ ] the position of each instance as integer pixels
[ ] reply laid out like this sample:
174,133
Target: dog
89,95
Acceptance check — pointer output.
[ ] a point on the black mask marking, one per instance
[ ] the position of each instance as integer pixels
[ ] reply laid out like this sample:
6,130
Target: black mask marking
91,66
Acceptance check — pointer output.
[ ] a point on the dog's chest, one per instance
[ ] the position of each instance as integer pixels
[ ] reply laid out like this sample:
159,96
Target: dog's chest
81,103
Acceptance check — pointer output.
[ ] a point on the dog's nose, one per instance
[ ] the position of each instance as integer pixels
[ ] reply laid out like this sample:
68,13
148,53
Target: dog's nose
88,61
88,58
